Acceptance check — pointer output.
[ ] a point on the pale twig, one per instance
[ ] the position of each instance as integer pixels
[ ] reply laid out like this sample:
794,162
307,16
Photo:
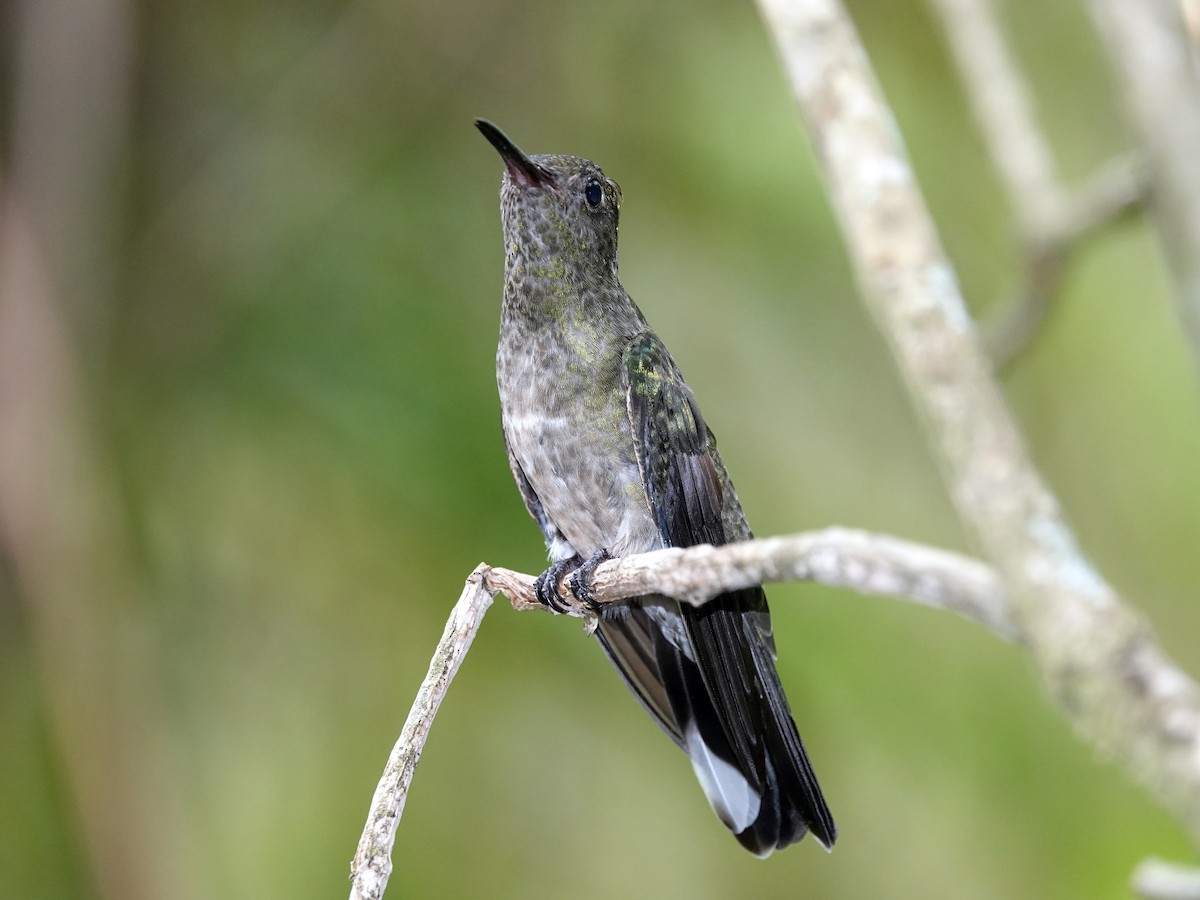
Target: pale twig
1004,110
1119,188
1051,219
1156,879
867,563
1155,63
1094,654
839,557
373,862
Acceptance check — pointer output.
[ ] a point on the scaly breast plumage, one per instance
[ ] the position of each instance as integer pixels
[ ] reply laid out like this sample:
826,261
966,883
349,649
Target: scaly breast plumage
573,441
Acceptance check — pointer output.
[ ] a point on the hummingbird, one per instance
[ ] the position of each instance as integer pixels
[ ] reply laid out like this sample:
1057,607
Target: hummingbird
612,457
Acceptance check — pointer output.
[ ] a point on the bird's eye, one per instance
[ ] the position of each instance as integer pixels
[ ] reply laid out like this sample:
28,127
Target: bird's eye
593,192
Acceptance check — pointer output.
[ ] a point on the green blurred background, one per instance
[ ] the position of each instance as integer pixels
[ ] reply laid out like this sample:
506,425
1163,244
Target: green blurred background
275,237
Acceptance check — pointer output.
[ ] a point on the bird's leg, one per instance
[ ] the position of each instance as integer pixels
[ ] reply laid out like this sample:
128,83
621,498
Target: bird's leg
581,581
546,585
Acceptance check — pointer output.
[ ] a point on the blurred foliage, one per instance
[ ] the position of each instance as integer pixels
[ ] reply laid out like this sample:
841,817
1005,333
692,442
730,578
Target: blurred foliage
290,373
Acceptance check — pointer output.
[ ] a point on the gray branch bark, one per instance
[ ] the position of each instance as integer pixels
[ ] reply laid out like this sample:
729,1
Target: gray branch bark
1095,656
1155,63
871,564
868,563
372,864
1051,219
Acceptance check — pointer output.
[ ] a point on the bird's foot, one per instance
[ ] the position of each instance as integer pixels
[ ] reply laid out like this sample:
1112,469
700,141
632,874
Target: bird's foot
581,580
546,585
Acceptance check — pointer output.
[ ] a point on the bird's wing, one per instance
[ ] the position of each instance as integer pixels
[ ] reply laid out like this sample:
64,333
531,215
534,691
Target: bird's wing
714,664
684,490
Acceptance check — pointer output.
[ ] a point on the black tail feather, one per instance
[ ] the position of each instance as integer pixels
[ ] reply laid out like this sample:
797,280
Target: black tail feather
708,678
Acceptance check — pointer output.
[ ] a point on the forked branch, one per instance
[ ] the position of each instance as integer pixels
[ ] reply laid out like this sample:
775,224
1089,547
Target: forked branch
1051,219
1095,654
868,563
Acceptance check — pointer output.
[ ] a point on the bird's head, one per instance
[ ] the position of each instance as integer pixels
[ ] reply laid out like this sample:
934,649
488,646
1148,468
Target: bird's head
559,209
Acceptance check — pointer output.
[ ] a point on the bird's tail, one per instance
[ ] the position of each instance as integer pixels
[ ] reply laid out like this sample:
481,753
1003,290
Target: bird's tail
707,676
792,786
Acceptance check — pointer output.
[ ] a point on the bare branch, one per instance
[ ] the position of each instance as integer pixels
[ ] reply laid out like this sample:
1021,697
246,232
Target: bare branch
1156,66
372,863
839,557
872,564
1051,220
1118,189
1004,109
1094,654
1155,879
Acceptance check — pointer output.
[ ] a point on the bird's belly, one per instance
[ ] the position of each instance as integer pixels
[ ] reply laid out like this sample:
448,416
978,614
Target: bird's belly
588,487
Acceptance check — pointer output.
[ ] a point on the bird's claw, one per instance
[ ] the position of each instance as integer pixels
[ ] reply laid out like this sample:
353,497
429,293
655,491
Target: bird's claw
546,585
581,580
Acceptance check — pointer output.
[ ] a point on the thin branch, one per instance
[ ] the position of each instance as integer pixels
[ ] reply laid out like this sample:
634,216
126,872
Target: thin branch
1117,190
373,862
1051,220
1004,109
838,557
1094,654
1155,879
1155,62
872,564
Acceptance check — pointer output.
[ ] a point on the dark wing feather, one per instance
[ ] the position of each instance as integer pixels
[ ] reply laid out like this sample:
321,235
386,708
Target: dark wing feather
741,712
684,491
633,637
